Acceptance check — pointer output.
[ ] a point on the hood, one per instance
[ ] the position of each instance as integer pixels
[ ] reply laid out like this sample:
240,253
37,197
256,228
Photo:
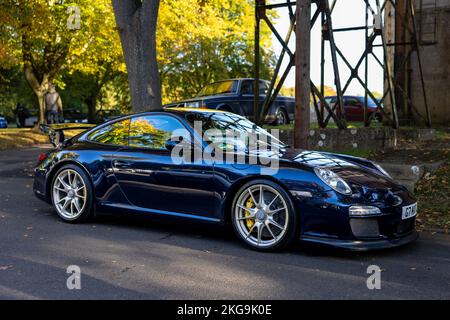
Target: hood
353,170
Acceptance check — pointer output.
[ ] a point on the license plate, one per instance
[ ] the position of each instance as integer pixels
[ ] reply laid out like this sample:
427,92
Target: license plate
409,211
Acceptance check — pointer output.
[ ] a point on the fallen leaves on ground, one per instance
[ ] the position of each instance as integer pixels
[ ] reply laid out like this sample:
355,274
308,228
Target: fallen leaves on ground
433,195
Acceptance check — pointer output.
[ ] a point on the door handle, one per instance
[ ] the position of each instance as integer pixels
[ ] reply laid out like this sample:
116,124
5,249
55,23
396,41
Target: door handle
120,164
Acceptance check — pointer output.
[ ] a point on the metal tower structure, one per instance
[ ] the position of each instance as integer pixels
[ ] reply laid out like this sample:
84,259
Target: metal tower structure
389,24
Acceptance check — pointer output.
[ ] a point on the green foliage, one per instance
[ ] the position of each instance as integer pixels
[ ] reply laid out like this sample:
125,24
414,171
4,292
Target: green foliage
46,39
200,42
14,89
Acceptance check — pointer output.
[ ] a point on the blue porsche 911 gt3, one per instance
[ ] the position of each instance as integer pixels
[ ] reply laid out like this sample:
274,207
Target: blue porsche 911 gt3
182,163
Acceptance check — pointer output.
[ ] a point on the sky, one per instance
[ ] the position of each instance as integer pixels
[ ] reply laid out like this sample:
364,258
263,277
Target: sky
347,13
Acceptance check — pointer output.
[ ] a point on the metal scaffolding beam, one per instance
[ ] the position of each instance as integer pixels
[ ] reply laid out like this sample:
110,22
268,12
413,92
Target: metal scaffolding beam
321,11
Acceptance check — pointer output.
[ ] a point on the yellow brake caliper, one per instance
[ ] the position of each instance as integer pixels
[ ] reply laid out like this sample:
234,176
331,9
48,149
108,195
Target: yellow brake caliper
249,204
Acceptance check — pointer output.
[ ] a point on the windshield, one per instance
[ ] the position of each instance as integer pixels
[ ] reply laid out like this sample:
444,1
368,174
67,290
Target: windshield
370,102
231,132
222,87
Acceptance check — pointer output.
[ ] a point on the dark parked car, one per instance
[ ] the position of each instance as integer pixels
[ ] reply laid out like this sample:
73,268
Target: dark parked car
128,165
103,115
74,115
354,108
237,96
26,117
3,123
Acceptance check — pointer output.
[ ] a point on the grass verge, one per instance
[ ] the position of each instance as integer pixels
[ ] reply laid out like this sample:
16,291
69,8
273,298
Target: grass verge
433,191
18,138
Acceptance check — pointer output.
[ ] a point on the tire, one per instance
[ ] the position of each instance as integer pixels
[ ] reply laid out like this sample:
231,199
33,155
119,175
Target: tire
72,194
281,117
378,118
374,117
271,227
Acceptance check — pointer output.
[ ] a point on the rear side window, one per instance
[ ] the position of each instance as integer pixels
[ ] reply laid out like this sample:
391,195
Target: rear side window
116,133
216,88
351,102
247,87
153,131
331,100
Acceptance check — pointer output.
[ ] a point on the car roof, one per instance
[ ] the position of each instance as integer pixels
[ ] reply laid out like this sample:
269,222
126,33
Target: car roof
345,96
197,110
173,110
236,79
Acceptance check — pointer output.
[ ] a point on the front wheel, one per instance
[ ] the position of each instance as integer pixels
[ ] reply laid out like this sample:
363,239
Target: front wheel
263,216
72,194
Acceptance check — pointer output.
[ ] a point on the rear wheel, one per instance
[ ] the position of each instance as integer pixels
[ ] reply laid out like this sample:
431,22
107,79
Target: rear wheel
263,216
72,194
281,117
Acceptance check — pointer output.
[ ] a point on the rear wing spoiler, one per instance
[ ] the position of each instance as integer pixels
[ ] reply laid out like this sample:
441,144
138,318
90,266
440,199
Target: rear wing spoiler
55,132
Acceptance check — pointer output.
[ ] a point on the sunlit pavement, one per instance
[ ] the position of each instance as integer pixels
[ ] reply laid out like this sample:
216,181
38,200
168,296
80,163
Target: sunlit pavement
130,257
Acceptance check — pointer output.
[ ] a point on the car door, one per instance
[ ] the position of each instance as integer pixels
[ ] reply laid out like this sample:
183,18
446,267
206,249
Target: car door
102,143
247,96
152,178
354,111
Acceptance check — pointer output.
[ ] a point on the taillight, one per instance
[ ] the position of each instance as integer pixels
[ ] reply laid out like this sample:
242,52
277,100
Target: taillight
42,157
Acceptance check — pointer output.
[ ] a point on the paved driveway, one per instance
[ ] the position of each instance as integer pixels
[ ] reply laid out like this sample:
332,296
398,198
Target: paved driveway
129,257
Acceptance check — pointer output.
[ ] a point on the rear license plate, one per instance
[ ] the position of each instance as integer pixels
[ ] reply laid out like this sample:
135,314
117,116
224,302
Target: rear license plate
409,211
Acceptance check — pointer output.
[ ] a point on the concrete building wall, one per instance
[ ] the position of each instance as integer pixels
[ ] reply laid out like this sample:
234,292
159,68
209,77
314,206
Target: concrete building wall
435,61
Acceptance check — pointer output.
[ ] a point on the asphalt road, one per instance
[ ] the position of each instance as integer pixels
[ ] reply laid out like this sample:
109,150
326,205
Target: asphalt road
135,258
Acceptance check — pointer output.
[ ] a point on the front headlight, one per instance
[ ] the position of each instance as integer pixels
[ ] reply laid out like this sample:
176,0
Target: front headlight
380,168
333,180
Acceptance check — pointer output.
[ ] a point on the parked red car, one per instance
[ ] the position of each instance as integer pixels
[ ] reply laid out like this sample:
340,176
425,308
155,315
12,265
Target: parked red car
354,107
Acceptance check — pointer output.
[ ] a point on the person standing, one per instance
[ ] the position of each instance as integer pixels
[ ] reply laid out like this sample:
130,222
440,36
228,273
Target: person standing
53,105
21,115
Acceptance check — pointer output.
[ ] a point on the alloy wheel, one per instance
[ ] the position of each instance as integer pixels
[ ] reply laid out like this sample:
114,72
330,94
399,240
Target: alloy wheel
261,215
69,194
281,118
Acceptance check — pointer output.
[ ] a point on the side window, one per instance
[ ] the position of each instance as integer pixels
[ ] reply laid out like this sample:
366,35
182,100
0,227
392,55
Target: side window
331,101
153,131
247,87
263,86
116,133
351,102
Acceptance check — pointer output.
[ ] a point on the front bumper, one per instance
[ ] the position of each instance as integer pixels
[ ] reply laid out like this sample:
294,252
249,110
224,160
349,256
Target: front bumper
325,220
362,245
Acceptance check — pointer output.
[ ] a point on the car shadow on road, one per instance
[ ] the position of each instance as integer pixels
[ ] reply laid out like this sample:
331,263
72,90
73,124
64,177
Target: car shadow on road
224,236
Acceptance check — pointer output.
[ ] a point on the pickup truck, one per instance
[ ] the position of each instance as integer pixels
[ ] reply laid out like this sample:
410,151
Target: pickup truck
237,96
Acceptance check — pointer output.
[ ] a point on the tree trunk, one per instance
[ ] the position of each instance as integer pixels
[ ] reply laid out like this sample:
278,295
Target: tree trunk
91,102
39,88
136,21
302,73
